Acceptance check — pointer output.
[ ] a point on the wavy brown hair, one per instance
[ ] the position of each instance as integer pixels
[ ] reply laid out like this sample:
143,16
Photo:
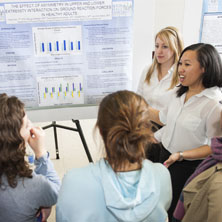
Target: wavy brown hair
125,127
12,145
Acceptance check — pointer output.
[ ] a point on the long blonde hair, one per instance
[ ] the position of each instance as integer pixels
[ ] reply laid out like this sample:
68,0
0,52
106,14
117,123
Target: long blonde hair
172,38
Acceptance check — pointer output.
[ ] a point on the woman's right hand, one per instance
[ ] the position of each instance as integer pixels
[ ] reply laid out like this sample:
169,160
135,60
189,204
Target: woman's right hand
36,141
172,159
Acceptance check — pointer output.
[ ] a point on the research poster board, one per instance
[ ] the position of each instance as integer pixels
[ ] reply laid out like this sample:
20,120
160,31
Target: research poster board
67,53
211,31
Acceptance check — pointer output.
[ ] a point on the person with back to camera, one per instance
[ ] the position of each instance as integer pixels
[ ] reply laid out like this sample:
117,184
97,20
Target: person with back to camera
201,199
123,186
158,80
192,117
24,194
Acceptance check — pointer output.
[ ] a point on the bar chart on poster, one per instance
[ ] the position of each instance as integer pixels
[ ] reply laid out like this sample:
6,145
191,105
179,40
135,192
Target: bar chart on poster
60,90
57,40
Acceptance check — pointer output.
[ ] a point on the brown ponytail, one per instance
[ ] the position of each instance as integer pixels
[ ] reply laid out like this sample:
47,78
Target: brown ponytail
125,127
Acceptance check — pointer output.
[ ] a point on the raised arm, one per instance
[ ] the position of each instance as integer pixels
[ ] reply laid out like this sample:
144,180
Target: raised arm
43,163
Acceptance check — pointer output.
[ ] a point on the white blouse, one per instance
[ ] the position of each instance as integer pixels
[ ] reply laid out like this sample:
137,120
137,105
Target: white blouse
156,93
192,124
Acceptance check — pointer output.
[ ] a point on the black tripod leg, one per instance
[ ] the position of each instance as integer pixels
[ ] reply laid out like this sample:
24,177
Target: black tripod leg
56,140
83,139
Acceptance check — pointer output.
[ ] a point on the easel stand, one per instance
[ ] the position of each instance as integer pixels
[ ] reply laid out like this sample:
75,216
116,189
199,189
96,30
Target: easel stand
77,129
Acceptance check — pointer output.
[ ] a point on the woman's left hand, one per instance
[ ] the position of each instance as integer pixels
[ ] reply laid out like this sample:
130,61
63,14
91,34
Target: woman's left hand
172,158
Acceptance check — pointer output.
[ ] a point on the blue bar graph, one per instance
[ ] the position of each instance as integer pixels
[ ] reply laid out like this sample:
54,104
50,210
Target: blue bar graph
64,44
57,45
50,46
80,87
73,87
71,45
43,47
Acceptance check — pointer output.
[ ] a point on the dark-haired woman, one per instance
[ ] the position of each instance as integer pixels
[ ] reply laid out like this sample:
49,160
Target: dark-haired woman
23,193
123,186
192,118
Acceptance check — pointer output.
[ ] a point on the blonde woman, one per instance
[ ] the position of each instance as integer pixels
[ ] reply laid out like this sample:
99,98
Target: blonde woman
158,80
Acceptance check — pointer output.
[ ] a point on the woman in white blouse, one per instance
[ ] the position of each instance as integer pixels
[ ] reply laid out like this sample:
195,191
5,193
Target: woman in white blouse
157,83
192,117
157,80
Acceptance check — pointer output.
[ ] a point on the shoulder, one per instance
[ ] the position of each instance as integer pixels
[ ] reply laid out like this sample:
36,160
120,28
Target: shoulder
212,93
158,169
161,178
80,177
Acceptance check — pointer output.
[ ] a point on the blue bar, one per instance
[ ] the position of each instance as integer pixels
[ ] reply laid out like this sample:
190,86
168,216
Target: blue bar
57,45
71,45
78,45
73,87
64,42
80,87
43,48
50,46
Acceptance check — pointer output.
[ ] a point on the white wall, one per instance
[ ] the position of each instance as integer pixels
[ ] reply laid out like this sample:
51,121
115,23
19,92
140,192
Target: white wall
144,16
183,14
169,13
192,21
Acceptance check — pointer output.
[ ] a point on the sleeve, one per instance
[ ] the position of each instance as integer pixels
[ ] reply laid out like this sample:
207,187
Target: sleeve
213,122
215,199
47,182
142,79
44,166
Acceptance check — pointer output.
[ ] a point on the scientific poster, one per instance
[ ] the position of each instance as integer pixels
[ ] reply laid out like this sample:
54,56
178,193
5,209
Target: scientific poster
211,28
61,53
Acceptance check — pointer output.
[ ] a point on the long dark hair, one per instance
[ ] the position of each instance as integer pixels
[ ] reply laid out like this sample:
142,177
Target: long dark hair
210,60
12,145
125,128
